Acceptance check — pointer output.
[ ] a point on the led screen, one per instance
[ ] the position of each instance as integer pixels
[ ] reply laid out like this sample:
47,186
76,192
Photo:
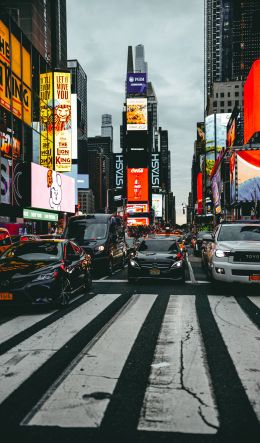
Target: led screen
199,192
137,184
51,190
141,207
136,83
136,114
248,175
216,186
216,131
62,121
137,221
252,102
157,204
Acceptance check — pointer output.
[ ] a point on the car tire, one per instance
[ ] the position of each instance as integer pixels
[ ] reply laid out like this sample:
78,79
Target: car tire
65,293
88,282
110,266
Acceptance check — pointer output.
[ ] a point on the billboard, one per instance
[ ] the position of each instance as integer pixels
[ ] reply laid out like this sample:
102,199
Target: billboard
136,207
252,102
216,132
46,120
51,190
10,137
157,204
62,121
15,76
155,170
139,221
136,83
248,175
216,186
200,132
74,127
136,114
137,184
5,176
200,192
232,177
232,128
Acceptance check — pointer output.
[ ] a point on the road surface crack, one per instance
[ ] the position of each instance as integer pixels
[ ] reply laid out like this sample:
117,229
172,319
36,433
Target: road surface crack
204,419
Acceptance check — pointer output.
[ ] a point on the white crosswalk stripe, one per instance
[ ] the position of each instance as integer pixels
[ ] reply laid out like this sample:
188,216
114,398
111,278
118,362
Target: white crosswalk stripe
23,360
74,402
255,299
179,376
241,337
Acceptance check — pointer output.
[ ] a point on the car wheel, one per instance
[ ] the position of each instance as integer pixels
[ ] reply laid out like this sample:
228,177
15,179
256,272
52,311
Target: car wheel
65,293
110,267
88,282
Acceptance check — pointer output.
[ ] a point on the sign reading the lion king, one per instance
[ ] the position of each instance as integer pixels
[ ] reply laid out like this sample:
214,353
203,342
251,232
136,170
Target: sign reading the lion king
15,76
62,121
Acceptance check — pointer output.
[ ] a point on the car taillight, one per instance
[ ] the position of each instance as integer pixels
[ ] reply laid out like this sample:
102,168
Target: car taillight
56,274
179,255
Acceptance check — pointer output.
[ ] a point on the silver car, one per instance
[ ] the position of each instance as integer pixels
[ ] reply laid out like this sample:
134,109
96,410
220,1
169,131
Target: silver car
234,254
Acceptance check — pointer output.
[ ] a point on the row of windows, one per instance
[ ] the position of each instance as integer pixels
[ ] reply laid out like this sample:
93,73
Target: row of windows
222,94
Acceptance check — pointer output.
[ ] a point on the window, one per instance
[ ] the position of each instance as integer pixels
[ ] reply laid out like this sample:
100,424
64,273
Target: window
236,94
222,94
228,94
222,103
215,103
229,103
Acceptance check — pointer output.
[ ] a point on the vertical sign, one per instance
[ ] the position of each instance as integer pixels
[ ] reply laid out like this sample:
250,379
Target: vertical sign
46,120
62,121
119,171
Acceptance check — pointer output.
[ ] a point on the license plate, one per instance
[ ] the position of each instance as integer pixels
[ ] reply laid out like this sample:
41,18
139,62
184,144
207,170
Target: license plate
155,271
254,277
6,296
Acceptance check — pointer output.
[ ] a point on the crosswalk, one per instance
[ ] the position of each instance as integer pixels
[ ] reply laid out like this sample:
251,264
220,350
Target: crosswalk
90,348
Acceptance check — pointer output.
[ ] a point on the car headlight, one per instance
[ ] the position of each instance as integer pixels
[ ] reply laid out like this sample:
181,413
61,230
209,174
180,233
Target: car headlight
47,276
133,263
100,248
220,254
177,264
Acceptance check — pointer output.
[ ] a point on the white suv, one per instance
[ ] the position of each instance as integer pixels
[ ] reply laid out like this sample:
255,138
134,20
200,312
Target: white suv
234,254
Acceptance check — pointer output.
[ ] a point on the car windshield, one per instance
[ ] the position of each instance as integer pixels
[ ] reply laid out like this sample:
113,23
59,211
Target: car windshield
202,233
158,246
239,232
35,251
80,231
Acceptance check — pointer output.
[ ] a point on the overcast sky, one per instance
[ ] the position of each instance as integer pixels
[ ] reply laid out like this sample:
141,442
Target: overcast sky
99,33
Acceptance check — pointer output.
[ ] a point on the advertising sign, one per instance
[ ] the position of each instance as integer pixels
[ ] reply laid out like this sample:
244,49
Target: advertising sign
134,208
137,221
157,204
199,193
15,77
119,170
200,132
215,123
136,83
252,102
136,114
51,190
232,177
248,175
5,176
62,121
155,170
137,184
46,120
74,127
216,186
10,141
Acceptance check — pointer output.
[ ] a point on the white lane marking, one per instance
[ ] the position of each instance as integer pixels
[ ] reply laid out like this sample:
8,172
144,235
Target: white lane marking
255,299
185,381
23,360
109,281
190,270
125,281
82,398
241,337
20,324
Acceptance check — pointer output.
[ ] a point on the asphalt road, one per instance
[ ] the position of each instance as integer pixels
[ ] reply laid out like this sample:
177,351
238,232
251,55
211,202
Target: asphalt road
146,362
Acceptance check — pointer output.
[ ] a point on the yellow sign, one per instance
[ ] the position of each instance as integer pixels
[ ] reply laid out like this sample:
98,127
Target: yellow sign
15,90
62,121
46,120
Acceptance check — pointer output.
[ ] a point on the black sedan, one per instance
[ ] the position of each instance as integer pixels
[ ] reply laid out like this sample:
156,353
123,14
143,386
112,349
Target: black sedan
43,271
156,258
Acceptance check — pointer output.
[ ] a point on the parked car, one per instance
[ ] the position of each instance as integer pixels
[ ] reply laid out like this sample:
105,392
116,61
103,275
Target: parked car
156,258
198,243
5,240
102,236
43,271
234,254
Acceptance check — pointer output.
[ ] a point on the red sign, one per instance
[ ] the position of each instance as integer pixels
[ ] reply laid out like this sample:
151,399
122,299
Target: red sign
199,192
137,184
137,221
252,102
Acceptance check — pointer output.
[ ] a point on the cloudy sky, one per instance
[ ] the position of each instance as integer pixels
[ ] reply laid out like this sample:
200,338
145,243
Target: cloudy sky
99,33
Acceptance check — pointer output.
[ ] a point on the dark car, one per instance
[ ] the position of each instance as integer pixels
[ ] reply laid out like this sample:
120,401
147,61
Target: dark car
102,236
199,240
43,271
156,258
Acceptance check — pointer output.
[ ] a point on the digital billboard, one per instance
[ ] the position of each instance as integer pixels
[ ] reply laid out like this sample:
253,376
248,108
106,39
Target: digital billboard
46,120
199,192
252,102
157,204
62,121
137,184
136,207
216,132
51,190
139,221
232,177
15,76
155,170
136,114
5,175
136,83
119,170
248,175
200,132
216,186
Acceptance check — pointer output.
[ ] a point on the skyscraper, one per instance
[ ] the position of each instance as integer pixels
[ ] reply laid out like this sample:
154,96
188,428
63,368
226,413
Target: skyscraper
106,127
79,85
44,23
140,63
